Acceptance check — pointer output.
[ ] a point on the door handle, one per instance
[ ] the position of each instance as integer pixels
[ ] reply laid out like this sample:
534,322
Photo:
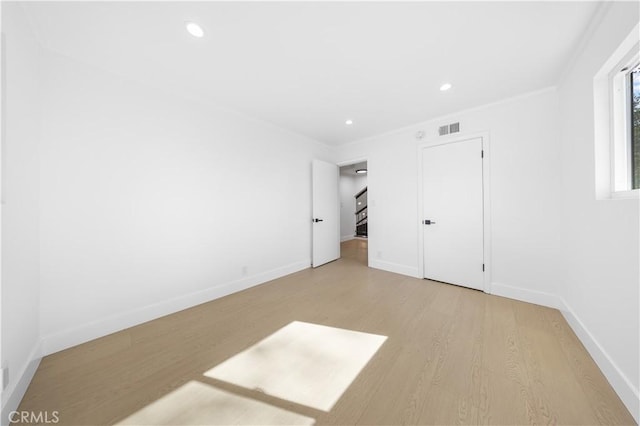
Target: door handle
428,222
316,220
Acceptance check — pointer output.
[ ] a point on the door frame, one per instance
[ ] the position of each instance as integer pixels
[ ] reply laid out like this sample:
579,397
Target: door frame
486,198
357,160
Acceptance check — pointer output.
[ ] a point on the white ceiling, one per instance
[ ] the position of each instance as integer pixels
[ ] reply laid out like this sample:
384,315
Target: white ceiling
308,66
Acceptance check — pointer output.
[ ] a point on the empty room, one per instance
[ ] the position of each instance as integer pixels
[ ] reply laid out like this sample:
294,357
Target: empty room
320,213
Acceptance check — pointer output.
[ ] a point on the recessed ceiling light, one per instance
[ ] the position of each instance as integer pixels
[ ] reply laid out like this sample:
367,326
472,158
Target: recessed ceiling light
361,171
445,87
348,122
195,29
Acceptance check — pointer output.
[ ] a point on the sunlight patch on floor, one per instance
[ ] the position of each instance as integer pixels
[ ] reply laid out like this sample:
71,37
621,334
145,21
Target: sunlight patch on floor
196,403
305,363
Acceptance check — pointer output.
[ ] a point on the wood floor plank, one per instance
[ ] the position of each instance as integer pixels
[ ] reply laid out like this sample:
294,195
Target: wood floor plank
604,402
549,372
419,406
504,380
452,356
458,371
376,377
504,401
445,408
399,377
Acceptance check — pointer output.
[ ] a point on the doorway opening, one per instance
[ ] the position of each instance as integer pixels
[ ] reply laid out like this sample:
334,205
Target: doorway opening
354,212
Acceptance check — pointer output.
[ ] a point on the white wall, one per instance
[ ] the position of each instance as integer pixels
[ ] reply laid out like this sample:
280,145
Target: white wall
525,175
601,278
151,203
349,186
20,230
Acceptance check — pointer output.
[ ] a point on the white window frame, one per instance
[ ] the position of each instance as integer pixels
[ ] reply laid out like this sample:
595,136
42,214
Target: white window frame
612,128
621,125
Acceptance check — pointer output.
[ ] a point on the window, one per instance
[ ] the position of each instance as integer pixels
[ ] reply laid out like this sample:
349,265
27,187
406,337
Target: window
634,119
626,125
616,94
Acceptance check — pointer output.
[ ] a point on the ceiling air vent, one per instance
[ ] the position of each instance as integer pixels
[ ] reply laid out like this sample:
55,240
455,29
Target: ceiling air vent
449,128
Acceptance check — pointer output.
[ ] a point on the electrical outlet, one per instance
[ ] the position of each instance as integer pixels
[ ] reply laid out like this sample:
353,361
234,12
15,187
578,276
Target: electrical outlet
5,378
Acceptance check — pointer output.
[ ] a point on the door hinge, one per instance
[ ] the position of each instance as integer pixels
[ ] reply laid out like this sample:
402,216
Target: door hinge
483,267
482,154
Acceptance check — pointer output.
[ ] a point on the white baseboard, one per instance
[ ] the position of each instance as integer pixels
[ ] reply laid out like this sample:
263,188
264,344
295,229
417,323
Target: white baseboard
397,268
102,327
13,394
346,238
620,383
526,295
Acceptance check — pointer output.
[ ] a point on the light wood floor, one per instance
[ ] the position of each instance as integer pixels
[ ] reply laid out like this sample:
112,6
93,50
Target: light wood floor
452,356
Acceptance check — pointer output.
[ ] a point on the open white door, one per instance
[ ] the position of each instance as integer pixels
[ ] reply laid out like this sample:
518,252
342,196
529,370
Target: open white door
326,213
453,213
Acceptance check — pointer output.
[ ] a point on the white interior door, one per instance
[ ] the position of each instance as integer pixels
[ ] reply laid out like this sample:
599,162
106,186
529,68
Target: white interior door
326,213
453,213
